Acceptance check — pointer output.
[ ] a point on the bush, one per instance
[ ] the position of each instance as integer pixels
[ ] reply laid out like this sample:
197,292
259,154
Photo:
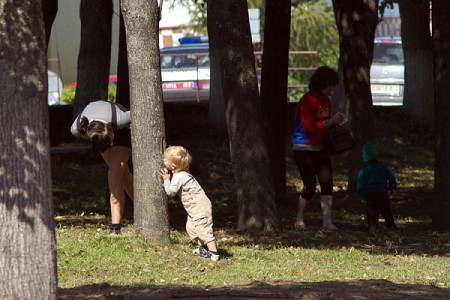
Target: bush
68,94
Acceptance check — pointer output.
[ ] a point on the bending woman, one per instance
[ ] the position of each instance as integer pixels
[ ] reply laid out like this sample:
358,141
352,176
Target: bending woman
107,126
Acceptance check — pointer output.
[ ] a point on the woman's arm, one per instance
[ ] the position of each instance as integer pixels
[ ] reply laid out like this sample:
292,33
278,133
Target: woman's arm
74,127
123,117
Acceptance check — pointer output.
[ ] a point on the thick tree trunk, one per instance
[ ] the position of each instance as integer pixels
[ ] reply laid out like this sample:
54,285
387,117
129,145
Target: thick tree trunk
441,55
123,97
339,102
357,22
123,77
216,104
274,81
418,100
27,239
257,208
95,53
147,117
49,10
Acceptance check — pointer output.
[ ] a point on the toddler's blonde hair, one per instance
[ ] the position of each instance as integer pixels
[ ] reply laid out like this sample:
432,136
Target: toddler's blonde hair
180,157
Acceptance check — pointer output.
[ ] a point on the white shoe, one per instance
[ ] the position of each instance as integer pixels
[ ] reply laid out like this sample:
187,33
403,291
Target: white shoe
300,225
329,227
215,257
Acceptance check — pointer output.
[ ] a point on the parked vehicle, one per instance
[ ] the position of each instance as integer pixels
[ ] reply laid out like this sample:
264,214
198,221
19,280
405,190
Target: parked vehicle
185,72
55,88
387,72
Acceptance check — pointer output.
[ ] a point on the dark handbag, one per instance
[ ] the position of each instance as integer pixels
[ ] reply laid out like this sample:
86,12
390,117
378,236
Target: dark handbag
339,139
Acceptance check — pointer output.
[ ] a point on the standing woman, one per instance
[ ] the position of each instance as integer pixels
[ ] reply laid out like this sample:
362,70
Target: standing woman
107,126
312,122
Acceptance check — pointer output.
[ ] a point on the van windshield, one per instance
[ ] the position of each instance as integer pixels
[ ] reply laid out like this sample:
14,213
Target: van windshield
389,53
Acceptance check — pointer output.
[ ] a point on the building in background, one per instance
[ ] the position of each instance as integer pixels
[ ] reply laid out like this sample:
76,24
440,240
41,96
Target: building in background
173,25
391,23
64,41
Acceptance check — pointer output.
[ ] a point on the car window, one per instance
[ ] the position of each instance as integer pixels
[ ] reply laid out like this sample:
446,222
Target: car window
389,53
177,61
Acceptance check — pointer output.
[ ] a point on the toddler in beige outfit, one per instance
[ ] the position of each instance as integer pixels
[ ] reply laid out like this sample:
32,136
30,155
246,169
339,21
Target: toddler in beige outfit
178,181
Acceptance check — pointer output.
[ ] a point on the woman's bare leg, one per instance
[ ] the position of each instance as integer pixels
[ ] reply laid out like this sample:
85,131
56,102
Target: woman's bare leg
116,158
128,183
300,222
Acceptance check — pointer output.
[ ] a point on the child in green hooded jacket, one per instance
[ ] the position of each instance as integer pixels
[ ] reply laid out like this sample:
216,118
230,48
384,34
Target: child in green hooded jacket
375,181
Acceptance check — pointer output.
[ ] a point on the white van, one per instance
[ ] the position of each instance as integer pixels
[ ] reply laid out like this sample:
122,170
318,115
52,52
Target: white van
55,88
387,72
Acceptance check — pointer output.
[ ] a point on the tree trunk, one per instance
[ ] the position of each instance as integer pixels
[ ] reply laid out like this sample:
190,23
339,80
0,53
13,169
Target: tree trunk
274,81
441,55
147,117
257,210
49,10
123,97
416,40
339,102
27,240
216,104
95,53
357,22
123,77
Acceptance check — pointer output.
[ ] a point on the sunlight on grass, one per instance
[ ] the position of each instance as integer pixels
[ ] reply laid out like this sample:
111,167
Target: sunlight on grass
414,254
88,255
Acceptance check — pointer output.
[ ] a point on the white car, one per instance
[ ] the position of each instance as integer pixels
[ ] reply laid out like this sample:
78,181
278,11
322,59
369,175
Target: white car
387,72
55,88
185,72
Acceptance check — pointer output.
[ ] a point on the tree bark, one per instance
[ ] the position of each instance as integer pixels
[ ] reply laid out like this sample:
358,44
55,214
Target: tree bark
441,55
123,77
230,37
95,53
216,103
274,82
416,40
357,22
49,10
147,117
123,97
27,240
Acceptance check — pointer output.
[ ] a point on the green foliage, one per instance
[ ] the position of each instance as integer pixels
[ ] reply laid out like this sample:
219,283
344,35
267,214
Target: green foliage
313,28
197,12
112,90
68,94
313,25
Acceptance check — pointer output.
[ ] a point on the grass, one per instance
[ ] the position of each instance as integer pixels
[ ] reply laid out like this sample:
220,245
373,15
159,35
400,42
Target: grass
415,254
87,255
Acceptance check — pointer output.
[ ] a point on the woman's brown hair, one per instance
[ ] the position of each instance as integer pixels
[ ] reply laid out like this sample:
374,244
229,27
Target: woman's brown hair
323,77
101,134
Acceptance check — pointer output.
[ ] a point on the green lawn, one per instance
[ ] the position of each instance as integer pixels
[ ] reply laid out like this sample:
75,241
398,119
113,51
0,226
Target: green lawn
413,258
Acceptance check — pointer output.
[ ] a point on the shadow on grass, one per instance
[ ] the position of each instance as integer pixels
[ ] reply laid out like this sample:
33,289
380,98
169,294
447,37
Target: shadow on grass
360,289
80,188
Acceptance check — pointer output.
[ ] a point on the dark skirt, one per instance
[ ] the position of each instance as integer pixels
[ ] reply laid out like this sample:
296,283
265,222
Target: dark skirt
122,137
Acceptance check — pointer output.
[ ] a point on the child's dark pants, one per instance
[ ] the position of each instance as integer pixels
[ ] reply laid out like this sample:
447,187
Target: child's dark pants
378,203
